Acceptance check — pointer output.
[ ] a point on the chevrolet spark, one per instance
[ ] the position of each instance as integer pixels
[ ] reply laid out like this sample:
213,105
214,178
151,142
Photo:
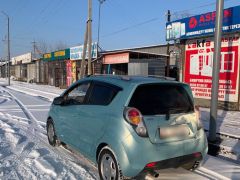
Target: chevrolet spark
129,124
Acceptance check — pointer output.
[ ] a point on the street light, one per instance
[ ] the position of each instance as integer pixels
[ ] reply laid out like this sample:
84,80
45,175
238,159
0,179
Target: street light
99,18
5,14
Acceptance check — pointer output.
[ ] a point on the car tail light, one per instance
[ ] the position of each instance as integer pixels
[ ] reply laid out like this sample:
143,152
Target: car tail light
151,165
197,154
134,117
198,117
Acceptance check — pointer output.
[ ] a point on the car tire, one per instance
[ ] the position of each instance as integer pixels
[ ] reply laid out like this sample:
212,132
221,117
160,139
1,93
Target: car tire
192,166
108,166
52,138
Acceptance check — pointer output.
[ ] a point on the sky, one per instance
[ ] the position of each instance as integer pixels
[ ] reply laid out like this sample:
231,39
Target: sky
124,23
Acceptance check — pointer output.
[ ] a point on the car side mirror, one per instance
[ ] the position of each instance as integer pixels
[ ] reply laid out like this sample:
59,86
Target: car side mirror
58,100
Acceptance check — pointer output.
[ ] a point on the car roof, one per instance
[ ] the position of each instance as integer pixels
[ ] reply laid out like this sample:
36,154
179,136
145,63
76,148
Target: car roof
126,80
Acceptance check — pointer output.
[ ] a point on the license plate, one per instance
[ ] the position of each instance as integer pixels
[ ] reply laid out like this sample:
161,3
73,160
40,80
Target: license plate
174,131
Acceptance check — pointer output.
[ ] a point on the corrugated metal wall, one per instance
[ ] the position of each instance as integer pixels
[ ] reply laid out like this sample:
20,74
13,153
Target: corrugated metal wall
161,49
138,69
155,66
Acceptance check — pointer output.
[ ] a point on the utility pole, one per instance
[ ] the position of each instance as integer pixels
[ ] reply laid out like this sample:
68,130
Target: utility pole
87,42
168,52
216,69
5,52
34,49
89,37
99,18
8,39
82,69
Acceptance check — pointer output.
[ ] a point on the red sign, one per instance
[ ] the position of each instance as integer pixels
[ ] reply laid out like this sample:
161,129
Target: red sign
69,72
207,18
199,65
193,22
116,58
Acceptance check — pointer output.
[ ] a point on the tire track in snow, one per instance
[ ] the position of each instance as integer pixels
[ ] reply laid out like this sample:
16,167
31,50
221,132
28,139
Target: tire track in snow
35,133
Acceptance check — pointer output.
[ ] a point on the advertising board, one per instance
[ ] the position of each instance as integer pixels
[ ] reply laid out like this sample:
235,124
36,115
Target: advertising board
116,58
69,72
203,25
57,55
76,53
199,65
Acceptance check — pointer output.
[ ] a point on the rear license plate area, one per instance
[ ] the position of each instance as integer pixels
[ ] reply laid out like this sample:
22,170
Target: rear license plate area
174,131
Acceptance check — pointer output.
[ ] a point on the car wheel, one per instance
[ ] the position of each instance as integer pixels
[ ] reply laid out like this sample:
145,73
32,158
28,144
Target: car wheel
52,138
108,167
192,166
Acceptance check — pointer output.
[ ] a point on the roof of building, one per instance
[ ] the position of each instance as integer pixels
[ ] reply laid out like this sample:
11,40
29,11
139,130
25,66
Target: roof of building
131,51
140,47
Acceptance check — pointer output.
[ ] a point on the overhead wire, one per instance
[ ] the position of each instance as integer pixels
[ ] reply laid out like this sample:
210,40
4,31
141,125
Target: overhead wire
153,20
20,5
39,16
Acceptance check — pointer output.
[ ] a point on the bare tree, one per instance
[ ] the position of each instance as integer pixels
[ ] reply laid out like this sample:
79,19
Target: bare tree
42,47
60,45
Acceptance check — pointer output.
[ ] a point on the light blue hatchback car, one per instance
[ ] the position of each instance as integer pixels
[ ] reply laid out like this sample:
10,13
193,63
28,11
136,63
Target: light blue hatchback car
129,124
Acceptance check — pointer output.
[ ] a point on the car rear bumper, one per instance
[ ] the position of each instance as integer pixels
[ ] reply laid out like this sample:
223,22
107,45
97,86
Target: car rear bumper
140,152
183,161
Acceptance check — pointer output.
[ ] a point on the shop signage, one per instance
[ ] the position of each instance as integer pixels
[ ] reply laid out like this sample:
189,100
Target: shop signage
47,56
76,53
57,55
74,71
116,58
69,72
199,65
22,59
203,25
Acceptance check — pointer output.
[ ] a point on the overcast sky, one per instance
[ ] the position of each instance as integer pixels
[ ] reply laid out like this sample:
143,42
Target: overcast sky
124,23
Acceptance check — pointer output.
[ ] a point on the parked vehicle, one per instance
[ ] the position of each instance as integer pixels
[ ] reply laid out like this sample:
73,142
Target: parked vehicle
129,124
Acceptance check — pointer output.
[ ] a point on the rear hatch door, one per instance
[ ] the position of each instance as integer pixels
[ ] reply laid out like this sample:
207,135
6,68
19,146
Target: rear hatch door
167,110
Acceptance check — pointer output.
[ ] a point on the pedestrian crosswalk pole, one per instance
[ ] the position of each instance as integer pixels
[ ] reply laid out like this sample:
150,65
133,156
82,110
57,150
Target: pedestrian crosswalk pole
216,69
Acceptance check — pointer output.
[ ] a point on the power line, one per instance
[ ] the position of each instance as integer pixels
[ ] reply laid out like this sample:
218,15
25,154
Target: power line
20,6
132,26
56,10
39,16
154,19
202,6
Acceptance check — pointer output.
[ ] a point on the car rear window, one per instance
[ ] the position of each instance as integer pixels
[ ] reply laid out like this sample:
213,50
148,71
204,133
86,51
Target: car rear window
157,99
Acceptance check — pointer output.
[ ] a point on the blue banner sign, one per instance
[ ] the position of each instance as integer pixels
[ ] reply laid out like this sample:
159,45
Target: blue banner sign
76,53
203,25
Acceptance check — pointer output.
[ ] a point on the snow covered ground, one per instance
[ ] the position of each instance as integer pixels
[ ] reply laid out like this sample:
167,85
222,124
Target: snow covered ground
45,91
26,154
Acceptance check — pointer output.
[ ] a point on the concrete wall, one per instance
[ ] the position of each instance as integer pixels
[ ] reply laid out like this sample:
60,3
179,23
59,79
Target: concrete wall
233,106
17,72
31,73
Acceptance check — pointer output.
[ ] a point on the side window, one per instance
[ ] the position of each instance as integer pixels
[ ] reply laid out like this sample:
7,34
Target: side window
102,94
77,95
